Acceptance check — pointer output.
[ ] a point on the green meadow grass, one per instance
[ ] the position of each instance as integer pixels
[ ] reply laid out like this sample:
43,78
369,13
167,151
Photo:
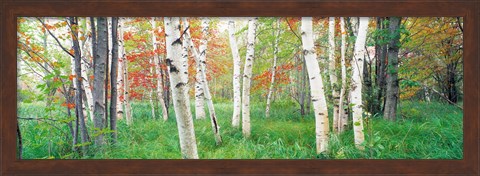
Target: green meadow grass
422,131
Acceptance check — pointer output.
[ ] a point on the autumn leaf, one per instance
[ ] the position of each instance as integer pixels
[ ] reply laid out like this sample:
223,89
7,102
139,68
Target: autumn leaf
71,77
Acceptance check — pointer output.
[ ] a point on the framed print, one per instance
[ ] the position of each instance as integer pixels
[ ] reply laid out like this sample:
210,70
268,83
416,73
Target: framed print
239,87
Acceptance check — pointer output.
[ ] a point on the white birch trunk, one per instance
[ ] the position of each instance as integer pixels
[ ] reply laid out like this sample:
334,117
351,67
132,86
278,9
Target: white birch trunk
109,58
86,54
152,90
247,76
427,95
356,91
342,120
87,88
128,109
184,52
236,75
159,74
203,78
126,88
332,71
199,88
121,69
178,71
316,86
202,63
274,67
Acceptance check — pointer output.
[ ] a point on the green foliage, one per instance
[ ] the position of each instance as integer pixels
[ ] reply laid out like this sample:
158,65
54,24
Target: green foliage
383,36
285,135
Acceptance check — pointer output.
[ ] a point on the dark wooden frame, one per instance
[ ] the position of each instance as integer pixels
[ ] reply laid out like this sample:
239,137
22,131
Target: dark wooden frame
10,9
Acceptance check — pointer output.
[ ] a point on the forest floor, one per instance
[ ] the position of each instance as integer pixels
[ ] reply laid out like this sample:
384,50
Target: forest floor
423,131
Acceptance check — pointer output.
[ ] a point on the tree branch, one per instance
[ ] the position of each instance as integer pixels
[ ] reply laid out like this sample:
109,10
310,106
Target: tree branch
291,29
54,37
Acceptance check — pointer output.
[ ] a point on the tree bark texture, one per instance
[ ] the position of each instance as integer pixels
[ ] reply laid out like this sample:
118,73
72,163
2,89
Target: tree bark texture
316,86
78,82
120,75
237,99
333,71
178,78
356,87
99,79
343,119
158,73
392,93
274,67
113,79
247,76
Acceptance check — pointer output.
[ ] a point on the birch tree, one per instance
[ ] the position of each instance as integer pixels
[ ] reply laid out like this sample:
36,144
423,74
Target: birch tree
356,88
86,52
184,26
152,89
199,88
343,119
158,72
236,74
332,71
99,78
392,94
126,88
78,82
121,67
316,86
178,70
113,79
74,83
274,67
203,77
247,76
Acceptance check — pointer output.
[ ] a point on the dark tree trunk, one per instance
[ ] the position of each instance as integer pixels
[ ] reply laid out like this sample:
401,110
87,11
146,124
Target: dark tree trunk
166,84
69,99
106,77
113,74
367,85
452,92
392,94
303,77
99,78
19,141
380,52
309,98
78,90
94,39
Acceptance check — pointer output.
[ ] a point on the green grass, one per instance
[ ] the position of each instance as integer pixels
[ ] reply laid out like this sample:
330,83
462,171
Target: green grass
424,131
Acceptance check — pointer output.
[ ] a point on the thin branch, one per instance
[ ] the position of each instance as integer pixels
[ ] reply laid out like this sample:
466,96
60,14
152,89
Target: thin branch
291,29
33,70
30,49
459,24
54,37
40,119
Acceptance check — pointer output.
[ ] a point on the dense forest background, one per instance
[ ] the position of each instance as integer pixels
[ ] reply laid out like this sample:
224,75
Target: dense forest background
248,88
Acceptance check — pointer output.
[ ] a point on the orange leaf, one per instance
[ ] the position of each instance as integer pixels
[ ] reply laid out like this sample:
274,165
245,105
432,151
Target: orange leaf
71,77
